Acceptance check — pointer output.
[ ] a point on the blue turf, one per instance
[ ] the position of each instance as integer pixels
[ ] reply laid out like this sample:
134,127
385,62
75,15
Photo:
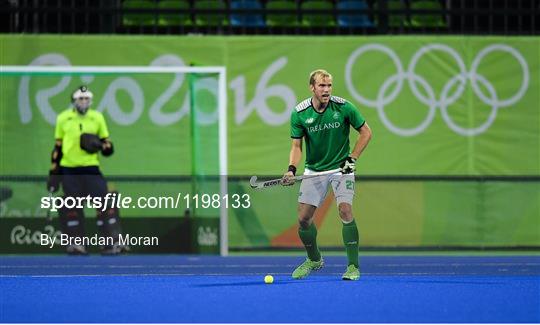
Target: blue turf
183,289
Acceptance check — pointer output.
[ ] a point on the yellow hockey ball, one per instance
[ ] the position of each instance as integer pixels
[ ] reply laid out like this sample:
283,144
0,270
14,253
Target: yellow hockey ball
268,279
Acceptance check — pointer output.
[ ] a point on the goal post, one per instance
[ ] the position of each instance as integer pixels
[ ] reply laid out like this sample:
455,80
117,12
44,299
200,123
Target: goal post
123,75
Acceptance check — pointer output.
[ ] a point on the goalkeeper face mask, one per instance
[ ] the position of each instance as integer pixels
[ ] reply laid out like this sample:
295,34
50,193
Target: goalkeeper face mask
82,99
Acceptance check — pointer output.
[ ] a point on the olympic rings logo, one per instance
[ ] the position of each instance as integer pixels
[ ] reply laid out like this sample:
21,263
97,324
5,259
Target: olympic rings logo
446,98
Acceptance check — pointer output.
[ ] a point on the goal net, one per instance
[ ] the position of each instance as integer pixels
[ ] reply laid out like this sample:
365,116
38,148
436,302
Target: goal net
168,126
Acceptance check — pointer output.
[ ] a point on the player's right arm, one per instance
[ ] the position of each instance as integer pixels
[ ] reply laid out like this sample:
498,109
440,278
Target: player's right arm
294,159
297,133
53,183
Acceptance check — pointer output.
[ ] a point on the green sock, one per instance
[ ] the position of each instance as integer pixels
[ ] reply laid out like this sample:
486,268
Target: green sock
350,239
309,238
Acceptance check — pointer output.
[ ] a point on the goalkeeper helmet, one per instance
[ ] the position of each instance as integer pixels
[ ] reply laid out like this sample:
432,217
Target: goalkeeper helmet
82,99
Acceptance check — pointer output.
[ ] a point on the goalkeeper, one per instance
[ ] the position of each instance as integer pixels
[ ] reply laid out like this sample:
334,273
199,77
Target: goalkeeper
324,121
80,134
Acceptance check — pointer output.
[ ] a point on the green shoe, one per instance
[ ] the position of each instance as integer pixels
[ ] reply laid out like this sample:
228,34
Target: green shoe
305,268
352,273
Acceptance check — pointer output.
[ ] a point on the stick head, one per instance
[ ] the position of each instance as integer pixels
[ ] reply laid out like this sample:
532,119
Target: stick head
253,182
260,185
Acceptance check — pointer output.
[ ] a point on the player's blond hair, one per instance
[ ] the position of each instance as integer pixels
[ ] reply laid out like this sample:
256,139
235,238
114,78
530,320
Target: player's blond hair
315,74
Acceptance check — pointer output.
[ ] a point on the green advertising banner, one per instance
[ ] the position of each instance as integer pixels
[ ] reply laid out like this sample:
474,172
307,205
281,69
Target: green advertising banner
436,105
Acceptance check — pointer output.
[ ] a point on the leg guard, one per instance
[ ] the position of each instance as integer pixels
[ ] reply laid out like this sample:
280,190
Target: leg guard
108,224
72,224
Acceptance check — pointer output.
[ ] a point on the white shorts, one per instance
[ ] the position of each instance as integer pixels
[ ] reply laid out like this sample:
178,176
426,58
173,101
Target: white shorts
313,190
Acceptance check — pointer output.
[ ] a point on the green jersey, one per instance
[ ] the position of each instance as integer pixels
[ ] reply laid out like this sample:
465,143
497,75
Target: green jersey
327,133
69,127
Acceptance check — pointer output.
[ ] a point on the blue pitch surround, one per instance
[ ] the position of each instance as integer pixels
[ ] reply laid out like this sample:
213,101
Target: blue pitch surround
215,289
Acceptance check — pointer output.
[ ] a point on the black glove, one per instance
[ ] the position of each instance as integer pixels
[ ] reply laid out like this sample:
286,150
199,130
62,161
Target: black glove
53,183
108,148
90,143
348,165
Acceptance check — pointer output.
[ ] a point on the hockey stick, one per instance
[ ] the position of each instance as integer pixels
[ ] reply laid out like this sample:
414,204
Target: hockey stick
260,185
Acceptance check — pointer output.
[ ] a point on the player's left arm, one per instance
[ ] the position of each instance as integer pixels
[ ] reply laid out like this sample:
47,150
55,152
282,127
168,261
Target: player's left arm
364,136
358,122
107,148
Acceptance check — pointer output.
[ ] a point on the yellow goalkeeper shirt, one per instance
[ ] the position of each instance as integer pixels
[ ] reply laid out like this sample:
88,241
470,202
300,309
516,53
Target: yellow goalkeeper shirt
69,127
